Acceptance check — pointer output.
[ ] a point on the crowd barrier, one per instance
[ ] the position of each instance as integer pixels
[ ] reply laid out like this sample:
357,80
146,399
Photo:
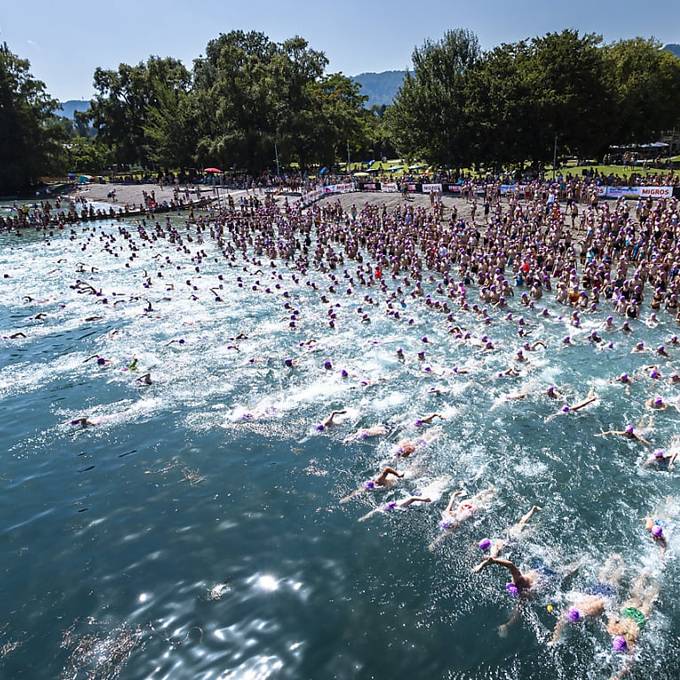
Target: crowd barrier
612,192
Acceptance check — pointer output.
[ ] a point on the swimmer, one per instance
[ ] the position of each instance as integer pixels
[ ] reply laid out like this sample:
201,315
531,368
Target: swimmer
426,420
390,506
628,433
567,408
656,403
407,447
101,361
655,530
626,626
661,457
367,432
382,481
144,379
523,583
83,422
592,603
330,420
456,513
495,547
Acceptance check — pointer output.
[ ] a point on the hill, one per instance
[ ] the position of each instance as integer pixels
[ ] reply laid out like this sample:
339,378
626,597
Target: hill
69,108
380,88
672,47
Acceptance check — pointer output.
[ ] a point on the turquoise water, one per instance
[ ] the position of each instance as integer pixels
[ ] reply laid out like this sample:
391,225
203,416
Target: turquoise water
196,531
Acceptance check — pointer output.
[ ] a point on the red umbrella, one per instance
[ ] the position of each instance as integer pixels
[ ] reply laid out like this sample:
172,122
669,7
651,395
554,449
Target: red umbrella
213,170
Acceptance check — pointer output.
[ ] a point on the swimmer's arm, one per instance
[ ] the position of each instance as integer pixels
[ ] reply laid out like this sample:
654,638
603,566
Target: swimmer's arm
642,440
672,459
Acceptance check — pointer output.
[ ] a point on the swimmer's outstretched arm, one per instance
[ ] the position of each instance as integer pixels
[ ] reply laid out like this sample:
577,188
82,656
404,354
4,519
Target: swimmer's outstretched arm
589,400
387,471
517,577
414,499
517,528
329,421
452,500
428,419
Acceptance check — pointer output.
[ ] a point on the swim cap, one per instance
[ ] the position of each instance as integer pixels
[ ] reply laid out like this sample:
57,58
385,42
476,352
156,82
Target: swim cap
424,338
566,408
658,402
654,374
418,422
344,373
101,361
320,427
619,644
327,365
574,615
390,506
657,531
630,429
445,524
659,453
484,544
369,485
289,363
512,589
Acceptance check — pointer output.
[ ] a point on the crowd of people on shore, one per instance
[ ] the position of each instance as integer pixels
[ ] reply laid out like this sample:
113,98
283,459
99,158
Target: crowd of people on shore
620,259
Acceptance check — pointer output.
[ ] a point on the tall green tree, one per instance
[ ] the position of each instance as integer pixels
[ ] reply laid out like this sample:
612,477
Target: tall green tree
124,98
645,80
428,118
31,135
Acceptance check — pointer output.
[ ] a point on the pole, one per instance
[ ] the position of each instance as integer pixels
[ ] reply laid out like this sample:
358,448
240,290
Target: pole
278,168
554,157
348,170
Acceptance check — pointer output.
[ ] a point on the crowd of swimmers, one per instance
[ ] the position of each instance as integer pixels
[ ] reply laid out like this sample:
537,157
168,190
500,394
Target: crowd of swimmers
621,259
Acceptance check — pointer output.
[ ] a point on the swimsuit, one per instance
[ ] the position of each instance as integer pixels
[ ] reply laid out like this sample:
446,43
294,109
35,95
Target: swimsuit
636,615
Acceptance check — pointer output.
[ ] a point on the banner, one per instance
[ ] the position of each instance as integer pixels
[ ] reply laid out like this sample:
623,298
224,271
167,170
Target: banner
389,187
657,192
371,186
431,188
453,188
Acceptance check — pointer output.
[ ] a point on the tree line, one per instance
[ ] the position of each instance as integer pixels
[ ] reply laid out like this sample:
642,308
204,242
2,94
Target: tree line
250,102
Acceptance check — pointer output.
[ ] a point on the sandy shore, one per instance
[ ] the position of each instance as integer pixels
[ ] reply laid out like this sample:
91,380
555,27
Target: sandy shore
133,194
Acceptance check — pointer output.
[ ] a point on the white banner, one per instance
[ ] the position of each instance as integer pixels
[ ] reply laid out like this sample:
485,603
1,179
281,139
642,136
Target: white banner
389,187
430,188
656,192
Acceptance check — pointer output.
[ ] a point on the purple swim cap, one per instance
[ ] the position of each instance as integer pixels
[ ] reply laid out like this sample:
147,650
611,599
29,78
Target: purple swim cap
657,531
566,408
445,524
369,485
424,338
659,453
320,427
629,429
327,365
484,544
289,363
101,361
619,644
390,506
574,615
654,374
512,589
418,422
344,373
658,402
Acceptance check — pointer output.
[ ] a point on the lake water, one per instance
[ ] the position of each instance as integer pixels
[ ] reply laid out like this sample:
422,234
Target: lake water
196,531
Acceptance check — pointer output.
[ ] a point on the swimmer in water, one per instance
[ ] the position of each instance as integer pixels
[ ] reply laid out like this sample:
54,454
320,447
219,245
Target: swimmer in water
458,512
407,447
367,433
656,404
495,547
593,602
391,506
628,433
330,420
426,420
663,458
144,379
568,409
385,479
627,624
655,529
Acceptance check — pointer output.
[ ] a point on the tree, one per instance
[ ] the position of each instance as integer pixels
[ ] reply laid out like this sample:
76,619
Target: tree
30,133
120,109
645,80
428,118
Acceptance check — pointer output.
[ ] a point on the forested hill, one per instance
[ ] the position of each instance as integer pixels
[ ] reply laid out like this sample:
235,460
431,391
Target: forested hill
673,48
380,88
69,108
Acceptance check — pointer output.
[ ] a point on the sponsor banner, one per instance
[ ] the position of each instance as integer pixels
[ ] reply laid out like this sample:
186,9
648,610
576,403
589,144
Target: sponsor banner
371,186
656,192
389,187
618,192
345,188
431,188
412,187
453,188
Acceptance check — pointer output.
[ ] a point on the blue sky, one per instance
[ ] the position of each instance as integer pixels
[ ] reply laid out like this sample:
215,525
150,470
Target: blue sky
66,41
